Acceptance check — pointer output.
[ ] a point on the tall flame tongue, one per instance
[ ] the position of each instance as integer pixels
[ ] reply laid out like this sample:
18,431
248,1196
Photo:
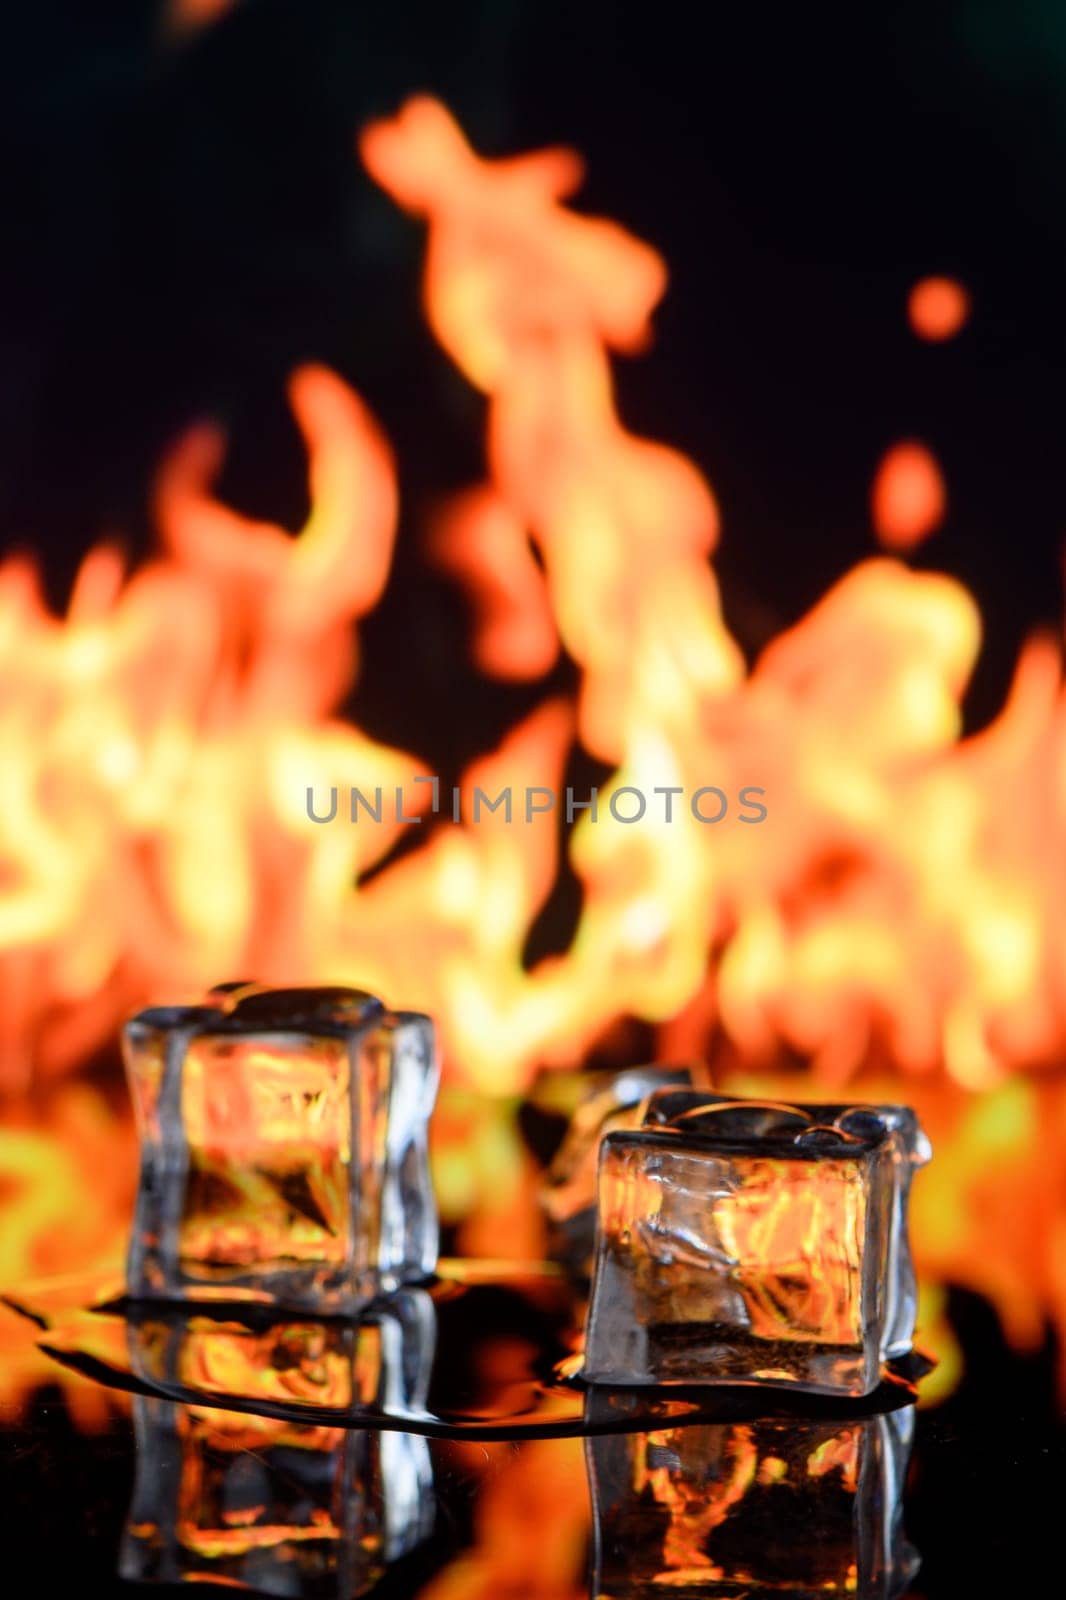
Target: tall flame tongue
892,907
152,827
896,912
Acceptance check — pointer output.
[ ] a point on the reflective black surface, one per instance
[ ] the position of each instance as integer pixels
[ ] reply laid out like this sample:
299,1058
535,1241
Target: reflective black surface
485,1353
512,1515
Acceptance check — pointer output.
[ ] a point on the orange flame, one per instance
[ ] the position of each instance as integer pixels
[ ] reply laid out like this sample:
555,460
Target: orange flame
908,499
895,913
482,542
938,308
152,829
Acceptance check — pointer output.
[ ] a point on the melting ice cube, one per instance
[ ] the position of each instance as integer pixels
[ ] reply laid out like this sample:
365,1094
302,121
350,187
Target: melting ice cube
283,1148
750,1242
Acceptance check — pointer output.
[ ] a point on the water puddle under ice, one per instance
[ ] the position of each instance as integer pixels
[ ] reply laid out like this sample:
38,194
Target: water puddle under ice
485,1350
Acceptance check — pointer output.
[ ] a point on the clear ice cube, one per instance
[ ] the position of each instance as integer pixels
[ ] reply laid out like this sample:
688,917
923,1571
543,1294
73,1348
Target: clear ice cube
797,1506
751,1242
568,1193
283,1148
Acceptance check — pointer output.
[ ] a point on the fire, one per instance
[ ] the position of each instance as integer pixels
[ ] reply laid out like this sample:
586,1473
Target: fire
66,1188
885,910
525,1491
938,308
909,498
894,914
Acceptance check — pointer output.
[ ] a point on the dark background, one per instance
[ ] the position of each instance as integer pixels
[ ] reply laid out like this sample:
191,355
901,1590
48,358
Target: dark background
183,220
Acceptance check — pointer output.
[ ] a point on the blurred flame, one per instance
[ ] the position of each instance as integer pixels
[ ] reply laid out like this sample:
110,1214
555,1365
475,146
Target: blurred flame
527,1490
183,17
908,499
152,822
482,541
938,308
66,1191
895,914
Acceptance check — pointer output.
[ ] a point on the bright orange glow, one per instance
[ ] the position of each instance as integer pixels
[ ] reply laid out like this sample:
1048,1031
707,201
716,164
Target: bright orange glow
792,1213
189,16
300,1361
689,1524
909,497
506,257
938,308
241,1104
67,1181
540,1486
484,544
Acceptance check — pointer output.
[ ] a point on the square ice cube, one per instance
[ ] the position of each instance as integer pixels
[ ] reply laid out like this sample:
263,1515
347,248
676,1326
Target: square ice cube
797,1506
283,1148
568,1193
750,1242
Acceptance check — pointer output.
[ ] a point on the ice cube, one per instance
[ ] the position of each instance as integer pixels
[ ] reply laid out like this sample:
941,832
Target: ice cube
751,1242
775,1506
283,1148
568,1194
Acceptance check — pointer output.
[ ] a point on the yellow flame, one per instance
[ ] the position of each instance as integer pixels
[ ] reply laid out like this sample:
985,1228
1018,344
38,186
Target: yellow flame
896,911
